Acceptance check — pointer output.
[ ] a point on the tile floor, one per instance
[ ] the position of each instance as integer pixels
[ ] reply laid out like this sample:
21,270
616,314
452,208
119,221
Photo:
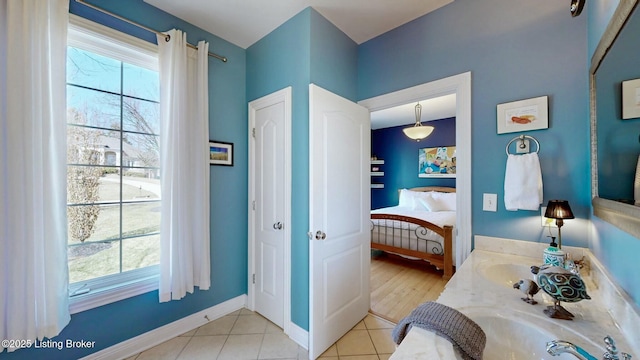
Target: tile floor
247,335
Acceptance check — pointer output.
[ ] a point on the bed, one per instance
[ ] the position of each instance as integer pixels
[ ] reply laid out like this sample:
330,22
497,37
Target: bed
419,227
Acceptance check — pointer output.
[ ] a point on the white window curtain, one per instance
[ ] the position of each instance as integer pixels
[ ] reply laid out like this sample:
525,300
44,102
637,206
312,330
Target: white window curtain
184,139
33,220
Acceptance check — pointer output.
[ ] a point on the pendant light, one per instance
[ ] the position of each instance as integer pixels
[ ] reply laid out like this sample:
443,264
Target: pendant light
418,131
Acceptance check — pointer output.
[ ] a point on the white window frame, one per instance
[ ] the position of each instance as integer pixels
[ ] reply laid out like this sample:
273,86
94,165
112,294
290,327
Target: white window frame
103,40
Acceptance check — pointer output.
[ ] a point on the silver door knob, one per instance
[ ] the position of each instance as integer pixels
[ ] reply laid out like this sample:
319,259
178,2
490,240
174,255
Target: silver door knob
320,235
277,226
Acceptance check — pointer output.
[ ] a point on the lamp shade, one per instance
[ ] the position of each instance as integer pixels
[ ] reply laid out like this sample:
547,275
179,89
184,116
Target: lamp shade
558,209
418,132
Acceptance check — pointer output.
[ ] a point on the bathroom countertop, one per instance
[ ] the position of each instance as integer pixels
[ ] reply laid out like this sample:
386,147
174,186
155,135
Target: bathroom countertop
485,281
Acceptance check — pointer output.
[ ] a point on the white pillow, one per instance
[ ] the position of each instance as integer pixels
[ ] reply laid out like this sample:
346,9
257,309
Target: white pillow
448,200
406,199
431,204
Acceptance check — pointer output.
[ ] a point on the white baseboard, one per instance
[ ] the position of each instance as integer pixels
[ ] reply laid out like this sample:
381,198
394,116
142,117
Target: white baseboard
157,336
299,335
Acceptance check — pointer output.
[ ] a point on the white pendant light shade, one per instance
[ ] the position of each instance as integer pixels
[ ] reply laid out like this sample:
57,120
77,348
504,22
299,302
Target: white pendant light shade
418,131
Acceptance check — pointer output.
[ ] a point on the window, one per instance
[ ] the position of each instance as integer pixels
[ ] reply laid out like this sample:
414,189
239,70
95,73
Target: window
113,165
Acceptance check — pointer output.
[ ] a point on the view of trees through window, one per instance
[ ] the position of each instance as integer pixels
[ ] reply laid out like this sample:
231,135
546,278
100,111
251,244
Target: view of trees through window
113,166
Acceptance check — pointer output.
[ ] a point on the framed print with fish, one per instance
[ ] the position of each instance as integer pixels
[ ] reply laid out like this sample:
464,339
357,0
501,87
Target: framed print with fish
523,115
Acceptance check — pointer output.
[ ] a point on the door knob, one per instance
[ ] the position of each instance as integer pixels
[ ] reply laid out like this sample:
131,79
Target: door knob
277,226
320,235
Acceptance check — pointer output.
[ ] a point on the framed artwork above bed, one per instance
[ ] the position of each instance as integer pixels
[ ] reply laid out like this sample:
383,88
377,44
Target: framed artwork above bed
437,162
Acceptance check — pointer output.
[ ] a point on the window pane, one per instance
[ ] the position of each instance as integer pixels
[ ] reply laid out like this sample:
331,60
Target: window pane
90,185
141,116
140,82
92,260
139,186
92,108
140,252
92,147
85,68
141,150
93,223
140,219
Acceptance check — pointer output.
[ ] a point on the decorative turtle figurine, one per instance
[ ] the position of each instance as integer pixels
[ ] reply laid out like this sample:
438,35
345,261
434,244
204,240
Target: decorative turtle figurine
561,285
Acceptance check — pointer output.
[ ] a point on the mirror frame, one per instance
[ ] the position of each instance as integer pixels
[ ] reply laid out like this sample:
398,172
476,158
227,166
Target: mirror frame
621,215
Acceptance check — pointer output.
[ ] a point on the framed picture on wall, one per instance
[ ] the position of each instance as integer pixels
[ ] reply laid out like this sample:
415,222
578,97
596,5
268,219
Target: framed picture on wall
523,115
437,162
631,99
220,153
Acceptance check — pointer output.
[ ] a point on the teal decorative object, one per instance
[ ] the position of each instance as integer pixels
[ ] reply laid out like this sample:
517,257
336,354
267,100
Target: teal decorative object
562,286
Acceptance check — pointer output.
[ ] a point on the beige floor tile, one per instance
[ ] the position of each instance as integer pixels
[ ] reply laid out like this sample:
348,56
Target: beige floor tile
245,311
303,354
328,358
190,333
278,346
241,347
360,357
168,350
250,324
203,347
330,352
359,326
221,326
383,341
272,328
355,342
132,357
374,322
384,356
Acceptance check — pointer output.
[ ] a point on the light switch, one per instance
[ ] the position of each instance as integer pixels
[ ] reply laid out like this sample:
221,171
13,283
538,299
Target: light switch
489,202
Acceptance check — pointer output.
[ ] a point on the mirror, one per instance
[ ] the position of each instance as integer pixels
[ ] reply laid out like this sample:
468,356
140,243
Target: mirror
615,142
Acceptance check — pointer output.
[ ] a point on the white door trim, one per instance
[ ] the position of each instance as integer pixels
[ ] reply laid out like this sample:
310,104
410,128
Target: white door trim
273,98
461,86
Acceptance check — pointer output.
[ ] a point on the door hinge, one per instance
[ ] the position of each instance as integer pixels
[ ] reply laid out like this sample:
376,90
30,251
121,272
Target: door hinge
254,278
254,204
253,132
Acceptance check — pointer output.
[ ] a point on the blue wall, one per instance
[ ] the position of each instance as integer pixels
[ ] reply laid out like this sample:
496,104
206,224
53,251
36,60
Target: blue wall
305,49
515,51
400,155
120,321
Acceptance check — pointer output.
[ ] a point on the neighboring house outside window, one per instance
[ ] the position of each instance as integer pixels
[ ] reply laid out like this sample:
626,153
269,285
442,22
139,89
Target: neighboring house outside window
113,165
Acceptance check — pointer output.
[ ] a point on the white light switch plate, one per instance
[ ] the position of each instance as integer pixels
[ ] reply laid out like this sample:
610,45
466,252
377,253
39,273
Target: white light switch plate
489,202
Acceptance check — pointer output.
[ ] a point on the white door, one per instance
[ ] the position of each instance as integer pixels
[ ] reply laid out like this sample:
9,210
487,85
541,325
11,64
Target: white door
339,181
270,203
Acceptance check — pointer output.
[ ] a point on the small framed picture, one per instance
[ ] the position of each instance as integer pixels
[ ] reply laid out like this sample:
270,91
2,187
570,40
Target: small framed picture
220,153
631,99
523,115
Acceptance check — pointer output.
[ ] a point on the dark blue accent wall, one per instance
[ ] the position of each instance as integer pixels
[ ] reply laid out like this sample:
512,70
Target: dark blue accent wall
400,155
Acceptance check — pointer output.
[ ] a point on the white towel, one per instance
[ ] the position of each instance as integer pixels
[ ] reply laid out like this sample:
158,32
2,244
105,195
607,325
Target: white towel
420,344
523,182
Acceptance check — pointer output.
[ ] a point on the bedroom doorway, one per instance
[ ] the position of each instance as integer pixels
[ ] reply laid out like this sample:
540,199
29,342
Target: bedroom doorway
460,87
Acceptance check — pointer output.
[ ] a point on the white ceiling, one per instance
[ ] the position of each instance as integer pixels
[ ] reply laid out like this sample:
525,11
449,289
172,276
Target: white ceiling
432,109
243,22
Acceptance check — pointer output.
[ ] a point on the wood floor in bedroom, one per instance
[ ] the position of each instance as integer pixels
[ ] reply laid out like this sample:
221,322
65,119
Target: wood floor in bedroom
398,285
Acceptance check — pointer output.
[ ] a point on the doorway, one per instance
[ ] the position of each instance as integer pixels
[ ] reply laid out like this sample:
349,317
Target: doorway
460,86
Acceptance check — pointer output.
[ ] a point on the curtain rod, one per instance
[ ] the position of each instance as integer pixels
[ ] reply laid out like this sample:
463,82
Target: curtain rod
167,37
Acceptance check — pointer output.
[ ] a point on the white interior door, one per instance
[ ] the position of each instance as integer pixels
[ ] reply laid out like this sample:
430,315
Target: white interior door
270,220
339,181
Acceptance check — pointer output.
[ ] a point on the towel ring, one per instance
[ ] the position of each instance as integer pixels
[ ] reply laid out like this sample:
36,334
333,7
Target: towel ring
521,139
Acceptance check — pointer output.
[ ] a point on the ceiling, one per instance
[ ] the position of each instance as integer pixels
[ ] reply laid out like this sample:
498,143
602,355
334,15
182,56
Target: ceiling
432,109
243,22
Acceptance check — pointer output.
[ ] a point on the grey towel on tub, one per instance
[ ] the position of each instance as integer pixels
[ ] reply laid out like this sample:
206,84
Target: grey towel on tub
465,335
